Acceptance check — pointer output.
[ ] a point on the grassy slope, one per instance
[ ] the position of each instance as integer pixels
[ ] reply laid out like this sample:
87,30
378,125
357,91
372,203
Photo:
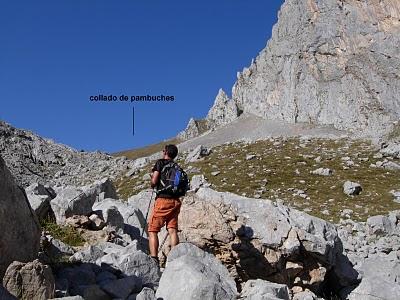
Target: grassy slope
146,151
276,162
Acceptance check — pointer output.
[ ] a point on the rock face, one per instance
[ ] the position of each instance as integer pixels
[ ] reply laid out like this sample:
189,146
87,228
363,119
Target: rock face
223,111
258,239
18,223
327,62
194,128
32,280
194,274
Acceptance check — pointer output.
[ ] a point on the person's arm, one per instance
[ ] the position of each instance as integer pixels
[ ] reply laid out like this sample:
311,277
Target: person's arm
155,176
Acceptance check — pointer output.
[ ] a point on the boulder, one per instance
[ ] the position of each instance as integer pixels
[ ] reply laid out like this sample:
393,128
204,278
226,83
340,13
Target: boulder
131,261
197,153
383,267
373,288
39,198
79,200
93,252
31,280
122,288
352,188
260,239
197,181
380,225
145,294
396,195
131,212
112,217
392,149
18,223
262,289
192,273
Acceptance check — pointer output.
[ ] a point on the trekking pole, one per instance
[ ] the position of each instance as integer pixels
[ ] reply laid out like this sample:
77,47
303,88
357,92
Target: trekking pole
147,214
163,242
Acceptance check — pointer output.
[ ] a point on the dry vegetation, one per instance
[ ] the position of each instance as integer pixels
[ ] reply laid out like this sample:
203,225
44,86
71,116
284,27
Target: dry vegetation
146,151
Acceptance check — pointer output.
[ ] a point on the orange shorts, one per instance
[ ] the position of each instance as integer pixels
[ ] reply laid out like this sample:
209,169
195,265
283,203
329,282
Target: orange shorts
166,212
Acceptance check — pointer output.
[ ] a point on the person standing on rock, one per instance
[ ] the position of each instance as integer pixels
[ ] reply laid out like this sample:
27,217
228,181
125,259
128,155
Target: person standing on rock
167,204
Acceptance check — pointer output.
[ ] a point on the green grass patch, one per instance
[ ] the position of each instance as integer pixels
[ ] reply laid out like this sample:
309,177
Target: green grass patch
66,234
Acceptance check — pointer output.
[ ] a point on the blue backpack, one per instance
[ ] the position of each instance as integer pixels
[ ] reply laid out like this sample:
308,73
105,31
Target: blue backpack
173,180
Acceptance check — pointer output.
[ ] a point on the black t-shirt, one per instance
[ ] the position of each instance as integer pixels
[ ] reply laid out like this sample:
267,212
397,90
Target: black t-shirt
159,165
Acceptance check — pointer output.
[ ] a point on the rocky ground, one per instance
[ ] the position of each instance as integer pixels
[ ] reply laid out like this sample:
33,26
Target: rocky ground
246,240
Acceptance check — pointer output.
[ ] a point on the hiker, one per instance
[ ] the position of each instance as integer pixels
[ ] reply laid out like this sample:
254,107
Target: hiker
167,204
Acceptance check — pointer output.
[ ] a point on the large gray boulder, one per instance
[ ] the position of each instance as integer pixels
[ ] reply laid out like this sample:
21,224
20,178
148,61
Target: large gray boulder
79,200
132,216
375,288
31,280
39,198
261,239
262,289
133,262
194,274
122,288
197,154
20,229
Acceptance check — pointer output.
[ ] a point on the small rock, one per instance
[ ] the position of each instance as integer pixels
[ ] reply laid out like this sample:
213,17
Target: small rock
97,222
215,173
322,172
352,188
396,195
250,156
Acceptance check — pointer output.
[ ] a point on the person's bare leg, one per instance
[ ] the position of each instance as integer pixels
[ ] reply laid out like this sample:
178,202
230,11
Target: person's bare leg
153,243
173,233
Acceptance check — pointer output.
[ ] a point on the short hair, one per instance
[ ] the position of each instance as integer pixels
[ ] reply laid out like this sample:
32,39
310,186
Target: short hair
171,151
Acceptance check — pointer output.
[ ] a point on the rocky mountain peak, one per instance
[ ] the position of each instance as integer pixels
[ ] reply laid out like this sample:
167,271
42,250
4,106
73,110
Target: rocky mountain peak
327,63
223,111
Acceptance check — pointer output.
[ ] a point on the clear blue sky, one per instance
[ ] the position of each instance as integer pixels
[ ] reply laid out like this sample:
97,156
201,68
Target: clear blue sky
55,54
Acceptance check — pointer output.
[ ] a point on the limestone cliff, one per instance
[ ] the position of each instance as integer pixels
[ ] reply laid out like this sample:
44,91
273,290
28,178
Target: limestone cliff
328,62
